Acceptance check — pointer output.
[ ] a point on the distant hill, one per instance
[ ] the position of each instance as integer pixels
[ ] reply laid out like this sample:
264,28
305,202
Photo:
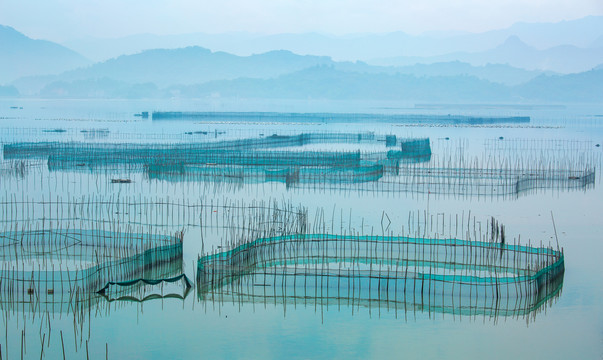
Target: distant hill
580,33
582,87
597,43
193,65
31,85
516,53
498,73
22,56
8,91
329,83
103,88
321,81
198,72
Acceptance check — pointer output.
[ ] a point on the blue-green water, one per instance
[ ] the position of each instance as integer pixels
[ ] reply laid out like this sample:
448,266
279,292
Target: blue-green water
571,326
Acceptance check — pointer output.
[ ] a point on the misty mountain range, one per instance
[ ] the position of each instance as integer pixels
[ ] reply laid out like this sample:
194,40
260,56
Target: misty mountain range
326,82
514,52
565,67
583,33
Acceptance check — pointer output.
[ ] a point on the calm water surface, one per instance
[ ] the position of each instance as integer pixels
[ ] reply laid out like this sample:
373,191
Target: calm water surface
570,326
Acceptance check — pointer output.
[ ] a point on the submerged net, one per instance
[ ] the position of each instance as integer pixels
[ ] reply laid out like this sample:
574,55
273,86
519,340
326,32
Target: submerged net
141,289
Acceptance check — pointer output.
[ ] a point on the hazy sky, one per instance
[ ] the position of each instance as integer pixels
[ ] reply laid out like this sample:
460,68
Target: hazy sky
62,20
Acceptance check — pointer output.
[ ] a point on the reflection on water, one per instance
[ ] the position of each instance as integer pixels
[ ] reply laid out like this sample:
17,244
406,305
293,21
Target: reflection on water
407,167
102,226
148,288
401,273
58,267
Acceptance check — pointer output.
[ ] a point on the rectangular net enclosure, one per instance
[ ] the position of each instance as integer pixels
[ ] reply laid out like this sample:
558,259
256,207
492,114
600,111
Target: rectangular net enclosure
463,277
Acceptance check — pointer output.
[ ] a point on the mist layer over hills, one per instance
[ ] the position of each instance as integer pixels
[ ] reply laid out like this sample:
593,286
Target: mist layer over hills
329,83
514,52
582,33
22,56
565,68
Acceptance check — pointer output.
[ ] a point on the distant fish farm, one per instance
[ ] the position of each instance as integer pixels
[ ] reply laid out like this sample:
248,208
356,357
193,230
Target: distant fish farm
335,117
311,161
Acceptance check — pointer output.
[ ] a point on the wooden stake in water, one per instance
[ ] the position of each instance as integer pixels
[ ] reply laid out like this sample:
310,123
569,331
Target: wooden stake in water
62,345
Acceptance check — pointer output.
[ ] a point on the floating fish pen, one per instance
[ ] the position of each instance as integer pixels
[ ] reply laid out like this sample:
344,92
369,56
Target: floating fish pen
536,145
487,182
52,277
221,138
334,117
566,153
246,152
216,157
58,266
399,178
44,149
488,177
362,172
404,274
406,167
293,167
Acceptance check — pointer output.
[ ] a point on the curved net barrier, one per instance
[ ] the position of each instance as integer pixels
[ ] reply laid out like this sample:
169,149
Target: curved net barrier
64,266
142,152
405,273
99,159
290,175
487,181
